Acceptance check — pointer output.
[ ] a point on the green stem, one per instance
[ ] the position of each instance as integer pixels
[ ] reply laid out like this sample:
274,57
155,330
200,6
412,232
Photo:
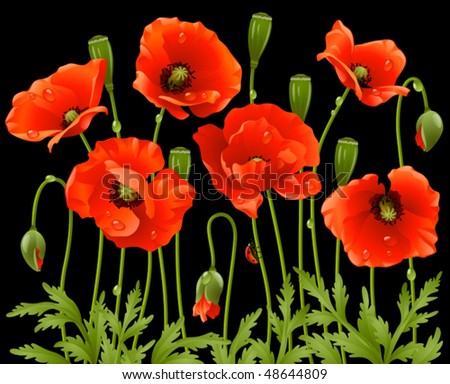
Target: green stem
85,142
164,287
116,123
312,220
419,87
300,265
265,278
277,234
252,84
372,287
117,291
232,264
37,196
158,120
146,292
98,269
178,282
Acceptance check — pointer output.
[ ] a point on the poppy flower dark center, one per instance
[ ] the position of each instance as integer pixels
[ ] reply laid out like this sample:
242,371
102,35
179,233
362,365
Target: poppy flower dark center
387,209
176,77
70,116
257,159
124,196
362,74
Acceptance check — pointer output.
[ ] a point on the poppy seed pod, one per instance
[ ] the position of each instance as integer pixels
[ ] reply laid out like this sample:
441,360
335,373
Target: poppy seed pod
210,284
258,36
429,129
345,157
180,161
32,247
300,90
100,48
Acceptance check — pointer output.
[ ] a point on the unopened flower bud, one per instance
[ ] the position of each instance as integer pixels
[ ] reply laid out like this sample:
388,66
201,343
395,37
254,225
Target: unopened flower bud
258,36
32,247
345,157
429,129
300,90
210,284
180,161
100,48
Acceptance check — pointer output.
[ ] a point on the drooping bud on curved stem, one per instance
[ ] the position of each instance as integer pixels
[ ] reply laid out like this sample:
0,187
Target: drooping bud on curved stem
33,248
429,128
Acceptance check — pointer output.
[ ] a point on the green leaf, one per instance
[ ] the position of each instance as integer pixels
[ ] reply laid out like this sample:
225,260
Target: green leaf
165,350
40,354
223,355
426,354
248,356
323,348
403,352
340,296
262,351
294,355
77,348
356,346
319,317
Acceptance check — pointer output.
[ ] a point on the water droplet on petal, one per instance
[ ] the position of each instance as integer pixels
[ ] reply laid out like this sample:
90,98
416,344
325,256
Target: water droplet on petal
153,235
49,95
182,37
310,223
375,91
31,95
204,95
390,241
240,199
108,213
267,137
388,252
33,134
366,254
189,96
117,225
117,290
388,65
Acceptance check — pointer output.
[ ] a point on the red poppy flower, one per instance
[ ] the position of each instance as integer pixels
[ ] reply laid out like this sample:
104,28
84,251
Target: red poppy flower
205,308
60,105
380,229
113,187
370,69
184,64
260,147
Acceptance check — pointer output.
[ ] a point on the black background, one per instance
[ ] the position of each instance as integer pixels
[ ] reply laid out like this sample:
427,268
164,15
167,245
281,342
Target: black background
36,40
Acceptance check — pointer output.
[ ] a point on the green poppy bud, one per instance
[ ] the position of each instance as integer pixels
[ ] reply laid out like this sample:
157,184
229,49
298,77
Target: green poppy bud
429,129
180,161
100,48
258,36
210,284
33,249
345,157
300,90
